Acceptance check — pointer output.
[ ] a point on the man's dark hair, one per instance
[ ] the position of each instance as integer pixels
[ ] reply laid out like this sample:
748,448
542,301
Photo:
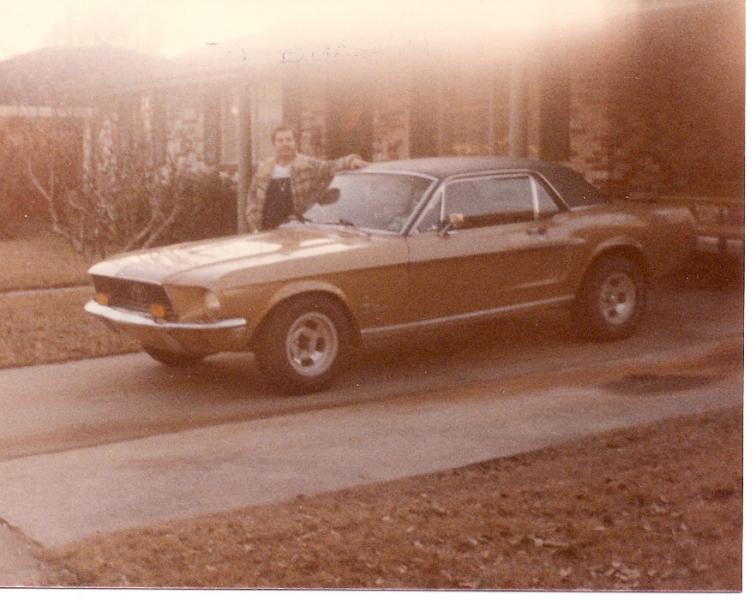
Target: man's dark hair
281,128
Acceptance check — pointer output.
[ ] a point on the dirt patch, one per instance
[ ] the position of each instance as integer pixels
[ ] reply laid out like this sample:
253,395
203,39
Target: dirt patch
650,508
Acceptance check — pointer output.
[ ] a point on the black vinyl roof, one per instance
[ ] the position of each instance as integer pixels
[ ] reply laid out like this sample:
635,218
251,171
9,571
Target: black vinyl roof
447,166
569,184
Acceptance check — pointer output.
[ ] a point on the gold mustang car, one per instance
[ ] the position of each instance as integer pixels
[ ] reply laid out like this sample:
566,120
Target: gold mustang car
395,247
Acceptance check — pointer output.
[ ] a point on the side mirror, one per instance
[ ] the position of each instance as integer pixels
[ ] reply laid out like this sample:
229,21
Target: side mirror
330,196
453,221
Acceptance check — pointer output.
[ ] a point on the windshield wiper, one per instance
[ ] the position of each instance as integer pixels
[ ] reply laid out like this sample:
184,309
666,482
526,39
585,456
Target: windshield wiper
347,223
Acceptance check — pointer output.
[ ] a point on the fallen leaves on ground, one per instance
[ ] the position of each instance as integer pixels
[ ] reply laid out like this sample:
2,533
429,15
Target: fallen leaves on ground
649,508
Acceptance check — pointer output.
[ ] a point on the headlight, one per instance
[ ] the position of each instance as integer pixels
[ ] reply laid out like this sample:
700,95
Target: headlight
212,303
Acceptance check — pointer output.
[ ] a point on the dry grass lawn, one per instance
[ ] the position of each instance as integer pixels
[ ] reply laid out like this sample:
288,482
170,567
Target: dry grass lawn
650,508
50,326
40,259
43,324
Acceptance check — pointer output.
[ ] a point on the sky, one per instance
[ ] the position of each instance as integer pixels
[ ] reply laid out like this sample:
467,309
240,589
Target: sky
170,27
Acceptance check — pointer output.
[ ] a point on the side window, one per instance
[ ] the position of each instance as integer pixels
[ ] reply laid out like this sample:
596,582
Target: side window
546,204
490,200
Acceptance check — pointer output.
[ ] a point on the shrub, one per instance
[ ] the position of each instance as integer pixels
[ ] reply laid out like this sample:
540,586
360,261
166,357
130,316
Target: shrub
209,208
131,204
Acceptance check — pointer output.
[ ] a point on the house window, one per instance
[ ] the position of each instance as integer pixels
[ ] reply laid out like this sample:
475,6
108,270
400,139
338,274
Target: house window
128,113
349,121
555,111
424,105
221,127
267,115
472,114
229,130
159,129
212,127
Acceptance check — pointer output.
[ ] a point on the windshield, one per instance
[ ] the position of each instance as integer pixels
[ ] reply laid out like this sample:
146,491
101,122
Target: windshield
377,201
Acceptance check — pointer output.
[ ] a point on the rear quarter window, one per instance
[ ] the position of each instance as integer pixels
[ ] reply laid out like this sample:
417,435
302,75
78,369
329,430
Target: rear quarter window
575,190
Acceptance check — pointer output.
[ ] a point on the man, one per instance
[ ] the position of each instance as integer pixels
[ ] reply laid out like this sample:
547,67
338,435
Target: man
289,182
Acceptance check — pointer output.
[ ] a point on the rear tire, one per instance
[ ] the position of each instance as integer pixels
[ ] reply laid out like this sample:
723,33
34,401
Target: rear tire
611,300
173,359
303,344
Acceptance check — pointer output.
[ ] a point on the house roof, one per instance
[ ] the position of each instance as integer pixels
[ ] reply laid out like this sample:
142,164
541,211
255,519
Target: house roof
42,76
49,75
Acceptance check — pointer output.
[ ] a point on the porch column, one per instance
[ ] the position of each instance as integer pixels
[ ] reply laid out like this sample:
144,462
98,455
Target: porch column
245,156
518,110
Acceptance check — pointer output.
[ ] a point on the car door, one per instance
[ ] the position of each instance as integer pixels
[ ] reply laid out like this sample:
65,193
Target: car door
509,250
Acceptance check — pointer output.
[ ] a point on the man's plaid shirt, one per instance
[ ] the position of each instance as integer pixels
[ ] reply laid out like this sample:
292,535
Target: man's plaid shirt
309,179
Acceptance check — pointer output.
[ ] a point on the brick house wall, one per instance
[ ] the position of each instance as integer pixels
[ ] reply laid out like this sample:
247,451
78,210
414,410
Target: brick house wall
655,103
590,125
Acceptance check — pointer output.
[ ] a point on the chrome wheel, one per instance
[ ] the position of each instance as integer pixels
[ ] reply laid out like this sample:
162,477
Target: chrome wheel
618,298
312,344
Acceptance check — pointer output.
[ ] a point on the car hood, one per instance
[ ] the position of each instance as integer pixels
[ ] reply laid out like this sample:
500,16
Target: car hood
290,251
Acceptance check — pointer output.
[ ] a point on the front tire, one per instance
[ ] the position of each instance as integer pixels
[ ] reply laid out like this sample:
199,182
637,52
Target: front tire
172,359
302,347
611,300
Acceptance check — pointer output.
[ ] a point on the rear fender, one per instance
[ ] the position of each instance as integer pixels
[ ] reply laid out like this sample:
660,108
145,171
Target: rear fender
621,245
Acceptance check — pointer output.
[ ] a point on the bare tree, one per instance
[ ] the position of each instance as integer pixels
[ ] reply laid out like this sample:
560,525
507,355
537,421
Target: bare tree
21,133
115,195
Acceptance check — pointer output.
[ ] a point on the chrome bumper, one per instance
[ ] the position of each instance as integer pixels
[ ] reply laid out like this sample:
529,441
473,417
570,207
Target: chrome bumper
126,317
206,338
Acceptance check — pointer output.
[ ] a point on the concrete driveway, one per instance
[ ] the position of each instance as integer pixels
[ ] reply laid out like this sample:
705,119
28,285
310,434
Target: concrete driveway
99,445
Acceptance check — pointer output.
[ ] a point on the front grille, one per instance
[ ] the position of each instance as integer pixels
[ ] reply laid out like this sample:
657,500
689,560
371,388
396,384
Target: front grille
133,295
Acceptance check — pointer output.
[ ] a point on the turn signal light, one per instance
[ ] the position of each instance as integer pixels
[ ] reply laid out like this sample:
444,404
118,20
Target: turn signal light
102,298
157,311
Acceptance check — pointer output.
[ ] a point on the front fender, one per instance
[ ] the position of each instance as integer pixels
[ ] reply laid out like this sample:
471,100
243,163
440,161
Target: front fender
290,290
296,288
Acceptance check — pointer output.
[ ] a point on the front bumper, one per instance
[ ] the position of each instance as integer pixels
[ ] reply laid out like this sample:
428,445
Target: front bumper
186,338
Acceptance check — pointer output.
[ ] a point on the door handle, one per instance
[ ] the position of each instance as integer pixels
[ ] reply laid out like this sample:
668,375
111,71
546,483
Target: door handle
536,230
